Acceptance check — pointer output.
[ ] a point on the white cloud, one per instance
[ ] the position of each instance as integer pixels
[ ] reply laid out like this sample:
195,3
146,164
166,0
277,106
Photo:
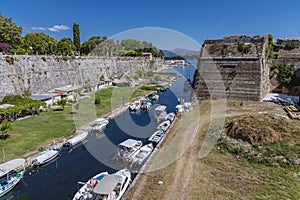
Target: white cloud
38,28
56,28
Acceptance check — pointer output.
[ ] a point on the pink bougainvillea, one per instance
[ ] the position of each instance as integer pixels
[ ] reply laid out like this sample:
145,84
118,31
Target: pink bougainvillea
4,47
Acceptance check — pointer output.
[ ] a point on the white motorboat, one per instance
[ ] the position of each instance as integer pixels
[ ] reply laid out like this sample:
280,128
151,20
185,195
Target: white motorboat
128,147
155,97
105,186
134,106
157,136
44,158
179,108
76,140
142,154
101,125
164,125
170,116
146,105
101,121
11,173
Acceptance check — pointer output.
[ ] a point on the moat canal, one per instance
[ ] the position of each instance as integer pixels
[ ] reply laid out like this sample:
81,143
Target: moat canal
59,179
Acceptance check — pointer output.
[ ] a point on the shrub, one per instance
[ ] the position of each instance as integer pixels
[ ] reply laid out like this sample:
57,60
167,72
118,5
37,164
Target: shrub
10,60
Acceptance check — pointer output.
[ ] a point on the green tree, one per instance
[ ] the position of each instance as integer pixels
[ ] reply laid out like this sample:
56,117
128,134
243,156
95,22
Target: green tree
5,127
285,74
91,44
76,36
65,47
40,43
10,33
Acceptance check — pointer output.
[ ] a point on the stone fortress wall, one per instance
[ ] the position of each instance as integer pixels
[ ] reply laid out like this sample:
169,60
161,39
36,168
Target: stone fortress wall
40,74
243,74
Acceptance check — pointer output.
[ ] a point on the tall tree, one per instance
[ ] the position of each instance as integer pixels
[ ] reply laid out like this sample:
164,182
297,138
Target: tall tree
76,36
65,47
10,33
91,44
40,43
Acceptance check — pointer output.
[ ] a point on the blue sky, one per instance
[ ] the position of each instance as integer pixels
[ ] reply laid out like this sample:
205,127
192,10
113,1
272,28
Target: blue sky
197,19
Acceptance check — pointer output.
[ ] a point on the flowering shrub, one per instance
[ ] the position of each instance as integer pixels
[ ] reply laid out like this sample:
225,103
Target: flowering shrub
4,47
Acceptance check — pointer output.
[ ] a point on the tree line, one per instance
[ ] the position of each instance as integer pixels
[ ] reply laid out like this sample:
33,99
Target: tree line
38,43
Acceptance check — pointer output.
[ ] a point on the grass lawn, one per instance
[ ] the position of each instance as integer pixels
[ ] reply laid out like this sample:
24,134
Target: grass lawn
29,134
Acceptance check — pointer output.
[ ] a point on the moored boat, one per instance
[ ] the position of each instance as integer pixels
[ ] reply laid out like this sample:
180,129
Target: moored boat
11,173
44,158
128,147
101,124
142,154
76,140
170,116
164,125
105,186
155,97
156,136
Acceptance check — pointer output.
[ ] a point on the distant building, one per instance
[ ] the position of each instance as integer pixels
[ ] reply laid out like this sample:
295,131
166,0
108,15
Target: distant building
148,56
48,98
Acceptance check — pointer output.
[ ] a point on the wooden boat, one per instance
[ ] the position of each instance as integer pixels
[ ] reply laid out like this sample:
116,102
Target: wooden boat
11,173
105,186
44,158
164,125
142,154
156,136
76,140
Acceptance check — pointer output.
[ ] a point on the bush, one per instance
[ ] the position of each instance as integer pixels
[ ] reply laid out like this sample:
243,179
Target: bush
148,87
285,74
97,101
10,60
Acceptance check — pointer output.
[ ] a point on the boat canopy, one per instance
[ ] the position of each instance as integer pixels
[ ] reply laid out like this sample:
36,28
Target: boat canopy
107,184
161,108
129,143
16,164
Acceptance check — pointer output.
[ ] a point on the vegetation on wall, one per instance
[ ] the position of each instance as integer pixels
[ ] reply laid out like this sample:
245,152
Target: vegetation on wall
285,74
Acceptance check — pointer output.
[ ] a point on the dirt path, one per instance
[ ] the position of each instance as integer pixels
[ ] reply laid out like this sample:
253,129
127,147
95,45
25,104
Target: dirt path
181,176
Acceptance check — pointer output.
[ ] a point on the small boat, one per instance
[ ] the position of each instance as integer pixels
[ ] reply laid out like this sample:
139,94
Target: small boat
76,140
164,125
44,158
155,97
179,108
105,186
101,120
100,125
157,136
129,147
11,173
170,117
142,154
132,107
146,105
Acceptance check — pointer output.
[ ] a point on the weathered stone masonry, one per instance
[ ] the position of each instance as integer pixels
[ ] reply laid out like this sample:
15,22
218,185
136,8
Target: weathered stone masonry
43,73
243,76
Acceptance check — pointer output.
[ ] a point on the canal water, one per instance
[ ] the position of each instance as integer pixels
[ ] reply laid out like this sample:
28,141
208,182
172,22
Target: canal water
59,179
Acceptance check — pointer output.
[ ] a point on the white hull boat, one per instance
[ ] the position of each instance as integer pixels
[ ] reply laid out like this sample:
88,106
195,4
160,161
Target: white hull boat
155,97
142,154
157,136
105,186
128,147
76,140
170,117
44,158
101,125
11,173
164,125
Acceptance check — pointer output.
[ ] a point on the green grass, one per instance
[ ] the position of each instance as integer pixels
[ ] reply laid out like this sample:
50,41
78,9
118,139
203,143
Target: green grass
29,134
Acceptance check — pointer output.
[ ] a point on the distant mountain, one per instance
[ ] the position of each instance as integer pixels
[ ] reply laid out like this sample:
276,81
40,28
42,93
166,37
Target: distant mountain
179,52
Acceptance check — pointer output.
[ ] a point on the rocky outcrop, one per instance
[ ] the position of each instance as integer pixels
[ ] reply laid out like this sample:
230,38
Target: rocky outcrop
43,73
